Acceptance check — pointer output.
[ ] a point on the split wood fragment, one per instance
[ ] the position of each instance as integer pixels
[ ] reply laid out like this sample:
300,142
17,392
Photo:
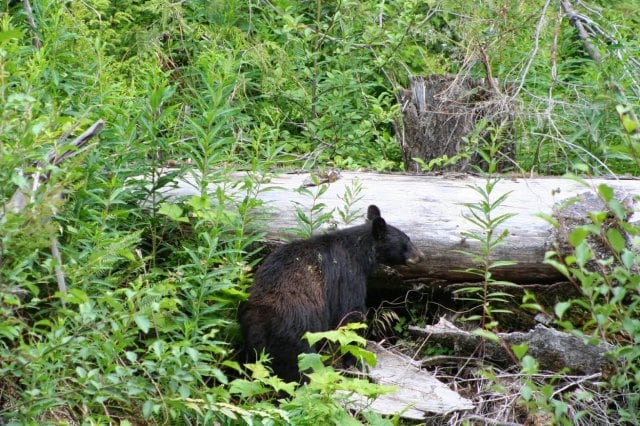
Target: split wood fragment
419,392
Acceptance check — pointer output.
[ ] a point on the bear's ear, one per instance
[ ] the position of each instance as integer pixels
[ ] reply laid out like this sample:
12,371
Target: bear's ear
373,212
379,228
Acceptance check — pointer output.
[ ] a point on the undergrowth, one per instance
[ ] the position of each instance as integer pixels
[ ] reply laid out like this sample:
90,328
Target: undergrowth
118,301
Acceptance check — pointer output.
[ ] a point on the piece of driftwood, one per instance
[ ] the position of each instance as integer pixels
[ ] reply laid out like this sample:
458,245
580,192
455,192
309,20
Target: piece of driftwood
553,349
419,393
431,210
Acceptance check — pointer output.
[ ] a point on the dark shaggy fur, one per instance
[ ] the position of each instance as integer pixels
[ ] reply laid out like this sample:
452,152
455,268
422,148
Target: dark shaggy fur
316,284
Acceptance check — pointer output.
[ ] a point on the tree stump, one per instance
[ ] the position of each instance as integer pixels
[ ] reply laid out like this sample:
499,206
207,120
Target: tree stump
441,120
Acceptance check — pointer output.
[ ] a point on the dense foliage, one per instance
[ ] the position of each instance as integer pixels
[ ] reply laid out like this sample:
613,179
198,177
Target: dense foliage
201,89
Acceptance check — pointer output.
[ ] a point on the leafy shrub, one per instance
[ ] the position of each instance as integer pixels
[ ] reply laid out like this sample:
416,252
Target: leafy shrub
609,282
198,91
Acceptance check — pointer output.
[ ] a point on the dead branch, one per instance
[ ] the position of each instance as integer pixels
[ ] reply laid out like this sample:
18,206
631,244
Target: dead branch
32,23
55,252
78,143
554,350
19,199
536,46
577,21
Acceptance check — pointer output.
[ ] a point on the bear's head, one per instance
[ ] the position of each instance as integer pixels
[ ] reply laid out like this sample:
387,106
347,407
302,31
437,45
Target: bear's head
392,246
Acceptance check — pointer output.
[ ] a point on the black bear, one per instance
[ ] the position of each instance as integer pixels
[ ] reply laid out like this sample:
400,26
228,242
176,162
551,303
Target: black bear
314,285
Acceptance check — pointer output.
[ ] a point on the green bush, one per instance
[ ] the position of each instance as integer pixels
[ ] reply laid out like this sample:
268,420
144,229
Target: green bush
198,91
603,264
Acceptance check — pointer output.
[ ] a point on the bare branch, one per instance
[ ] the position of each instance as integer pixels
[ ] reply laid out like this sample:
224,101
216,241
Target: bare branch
577,21
536,46
78,143
19,199
55,252
32,23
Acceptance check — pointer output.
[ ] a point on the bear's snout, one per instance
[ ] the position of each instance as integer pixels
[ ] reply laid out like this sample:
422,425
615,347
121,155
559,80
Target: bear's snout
415,255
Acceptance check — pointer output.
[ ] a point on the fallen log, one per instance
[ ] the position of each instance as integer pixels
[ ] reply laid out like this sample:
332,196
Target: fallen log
553,349
431,210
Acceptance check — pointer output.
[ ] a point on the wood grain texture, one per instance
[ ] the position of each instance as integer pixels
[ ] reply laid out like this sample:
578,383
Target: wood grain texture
419,393
431,210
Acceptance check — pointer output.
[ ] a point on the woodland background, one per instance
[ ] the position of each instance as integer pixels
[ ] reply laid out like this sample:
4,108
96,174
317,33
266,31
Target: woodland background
145,330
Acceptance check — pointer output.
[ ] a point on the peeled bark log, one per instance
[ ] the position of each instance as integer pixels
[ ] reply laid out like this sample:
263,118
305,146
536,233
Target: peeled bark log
431,210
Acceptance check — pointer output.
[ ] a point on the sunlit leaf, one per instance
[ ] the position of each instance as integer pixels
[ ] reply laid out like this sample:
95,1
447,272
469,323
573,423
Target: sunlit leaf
520,350
561,308
616,239
173,211
142,322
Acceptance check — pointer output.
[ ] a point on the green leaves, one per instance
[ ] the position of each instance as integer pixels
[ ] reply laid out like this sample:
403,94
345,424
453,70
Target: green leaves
142,322
311,219
9,35
616,241
629,123
489,233
602,262
173,211
520,350
561,308
485,334
349,341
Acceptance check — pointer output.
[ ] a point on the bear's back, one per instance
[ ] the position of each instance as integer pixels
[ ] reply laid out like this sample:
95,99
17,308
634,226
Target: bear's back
314,260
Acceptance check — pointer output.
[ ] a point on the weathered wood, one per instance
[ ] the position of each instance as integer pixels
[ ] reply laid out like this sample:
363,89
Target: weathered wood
579,23
553,349
418,393
430,210
32,23
441,112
